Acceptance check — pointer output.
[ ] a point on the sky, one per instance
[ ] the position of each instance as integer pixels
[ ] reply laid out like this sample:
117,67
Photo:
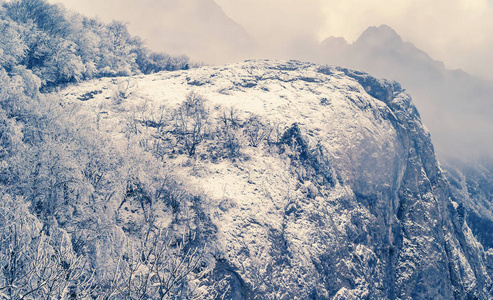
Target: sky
457,32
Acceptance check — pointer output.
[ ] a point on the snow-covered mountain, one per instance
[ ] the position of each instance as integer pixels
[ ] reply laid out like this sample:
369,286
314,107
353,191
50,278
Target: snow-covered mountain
329,188
455,106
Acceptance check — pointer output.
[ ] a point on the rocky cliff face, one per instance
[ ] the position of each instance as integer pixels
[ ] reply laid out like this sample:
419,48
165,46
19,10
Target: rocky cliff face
346,201
471,187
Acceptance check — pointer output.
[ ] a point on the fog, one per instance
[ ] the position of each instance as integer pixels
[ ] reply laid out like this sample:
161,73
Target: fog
455,106
457,32
197,28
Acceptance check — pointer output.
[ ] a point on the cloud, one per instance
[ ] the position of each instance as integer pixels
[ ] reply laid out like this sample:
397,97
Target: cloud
458,32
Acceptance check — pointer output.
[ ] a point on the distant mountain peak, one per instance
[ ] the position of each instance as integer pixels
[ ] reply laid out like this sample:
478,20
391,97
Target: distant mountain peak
382,35
334,41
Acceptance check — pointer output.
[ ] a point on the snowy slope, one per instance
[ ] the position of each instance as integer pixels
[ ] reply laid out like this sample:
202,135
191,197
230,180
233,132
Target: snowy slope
356,208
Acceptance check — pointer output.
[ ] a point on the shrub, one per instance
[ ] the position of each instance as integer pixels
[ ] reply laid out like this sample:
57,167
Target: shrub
191,122
257,131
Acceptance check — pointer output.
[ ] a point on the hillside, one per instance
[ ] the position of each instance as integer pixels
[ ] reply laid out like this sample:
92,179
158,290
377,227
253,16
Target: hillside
309,182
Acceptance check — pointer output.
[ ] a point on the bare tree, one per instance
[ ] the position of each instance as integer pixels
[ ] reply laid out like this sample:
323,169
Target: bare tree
231,132
159,267
34,265
257,130
191,122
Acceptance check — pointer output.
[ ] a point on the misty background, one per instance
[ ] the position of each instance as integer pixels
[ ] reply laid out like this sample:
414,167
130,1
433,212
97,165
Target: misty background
422,45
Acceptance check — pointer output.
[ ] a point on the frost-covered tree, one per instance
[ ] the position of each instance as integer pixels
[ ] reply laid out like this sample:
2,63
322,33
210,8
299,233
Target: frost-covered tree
64,65
18,91
70,194
12,47
47,17
85,35
36,265
156,62
118,57
61,47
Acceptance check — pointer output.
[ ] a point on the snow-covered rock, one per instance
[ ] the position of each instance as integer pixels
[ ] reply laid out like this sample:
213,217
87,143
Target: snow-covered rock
349,202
